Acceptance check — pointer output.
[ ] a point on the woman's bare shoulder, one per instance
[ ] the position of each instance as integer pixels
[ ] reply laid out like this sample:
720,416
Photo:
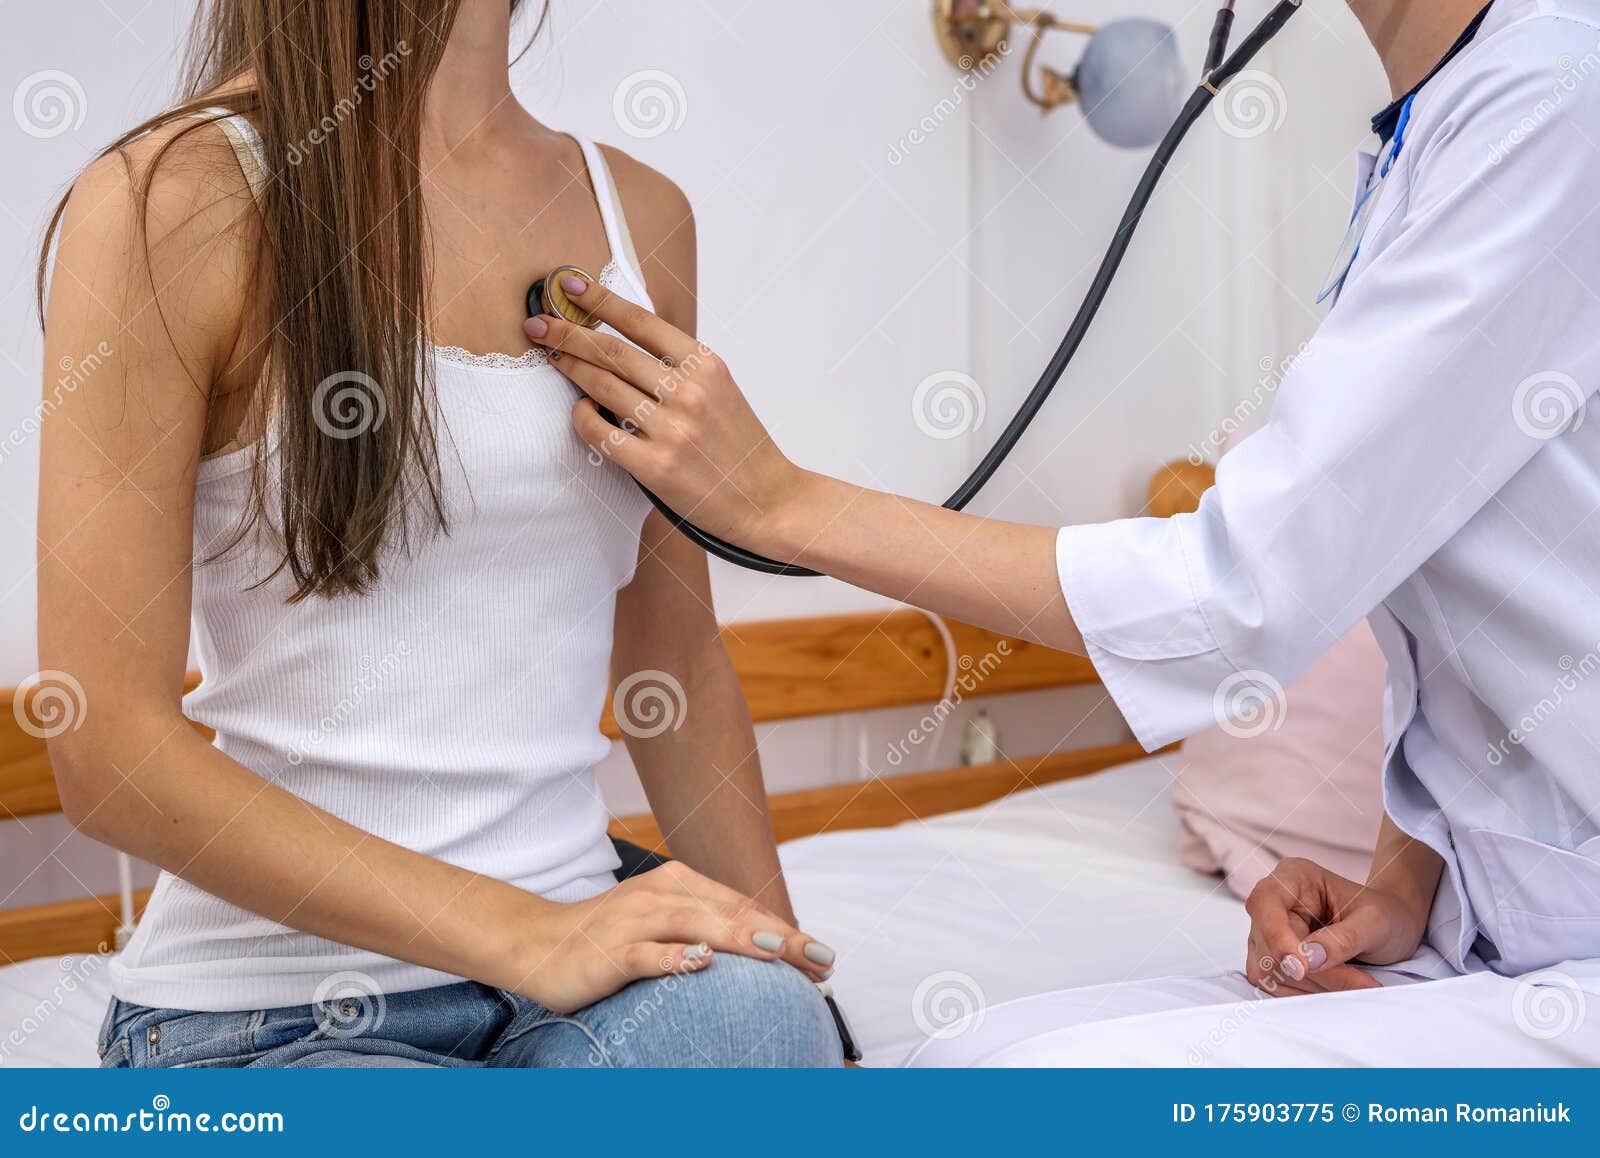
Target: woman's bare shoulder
182,178
160,230
662,223
653,197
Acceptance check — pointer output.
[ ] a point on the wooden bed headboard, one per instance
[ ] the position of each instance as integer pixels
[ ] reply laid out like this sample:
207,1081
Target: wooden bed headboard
789,669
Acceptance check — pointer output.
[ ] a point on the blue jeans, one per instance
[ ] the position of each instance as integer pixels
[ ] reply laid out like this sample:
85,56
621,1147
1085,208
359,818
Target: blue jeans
736,1012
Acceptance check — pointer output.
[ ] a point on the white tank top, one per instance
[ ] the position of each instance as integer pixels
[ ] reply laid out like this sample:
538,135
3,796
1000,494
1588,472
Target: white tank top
453,710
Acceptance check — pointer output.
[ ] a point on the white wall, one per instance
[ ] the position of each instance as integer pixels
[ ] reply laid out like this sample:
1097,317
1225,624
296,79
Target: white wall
1221,278
835,279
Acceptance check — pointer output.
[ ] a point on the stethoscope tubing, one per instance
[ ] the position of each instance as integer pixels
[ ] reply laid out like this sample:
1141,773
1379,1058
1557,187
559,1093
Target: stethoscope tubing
1210,87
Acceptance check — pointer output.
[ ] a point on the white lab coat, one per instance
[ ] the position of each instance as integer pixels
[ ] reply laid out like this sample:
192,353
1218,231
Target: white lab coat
1548,1018
1427,465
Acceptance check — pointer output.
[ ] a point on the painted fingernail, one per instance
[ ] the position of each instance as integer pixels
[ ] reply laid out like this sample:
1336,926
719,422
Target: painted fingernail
697,952
825,989
1293,968
825,976
818,952
536,327
771,942
574,285
1316,955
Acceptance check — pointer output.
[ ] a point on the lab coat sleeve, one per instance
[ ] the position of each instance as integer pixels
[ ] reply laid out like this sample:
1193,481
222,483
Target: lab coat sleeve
1463,347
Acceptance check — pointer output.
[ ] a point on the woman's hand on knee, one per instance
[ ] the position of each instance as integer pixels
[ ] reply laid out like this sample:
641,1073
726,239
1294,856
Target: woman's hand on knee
667,921
679,902
1307,926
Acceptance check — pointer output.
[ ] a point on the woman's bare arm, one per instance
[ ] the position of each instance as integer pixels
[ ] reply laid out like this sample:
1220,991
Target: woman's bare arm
703,776
702,773
995,574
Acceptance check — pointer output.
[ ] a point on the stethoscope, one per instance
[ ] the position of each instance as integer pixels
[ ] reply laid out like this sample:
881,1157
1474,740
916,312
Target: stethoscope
546,296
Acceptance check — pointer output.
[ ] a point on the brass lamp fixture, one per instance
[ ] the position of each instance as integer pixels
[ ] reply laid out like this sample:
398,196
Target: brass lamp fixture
972,31
1130,80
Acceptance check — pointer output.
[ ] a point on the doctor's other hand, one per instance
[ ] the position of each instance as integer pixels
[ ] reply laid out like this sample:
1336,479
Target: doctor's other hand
1307,926
678,421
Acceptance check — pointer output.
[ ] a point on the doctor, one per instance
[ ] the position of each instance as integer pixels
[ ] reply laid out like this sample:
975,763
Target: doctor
1427,466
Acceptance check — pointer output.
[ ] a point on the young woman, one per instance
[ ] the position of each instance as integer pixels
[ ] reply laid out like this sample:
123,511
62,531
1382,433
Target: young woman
316,431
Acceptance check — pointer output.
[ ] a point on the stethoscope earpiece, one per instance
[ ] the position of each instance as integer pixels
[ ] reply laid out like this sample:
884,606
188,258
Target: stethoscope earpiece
546,296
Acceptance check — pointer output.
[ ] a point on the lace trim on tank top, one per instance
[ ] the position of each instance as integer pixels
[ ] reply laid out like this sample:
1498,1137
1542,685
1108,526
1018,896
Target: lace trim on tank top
610,277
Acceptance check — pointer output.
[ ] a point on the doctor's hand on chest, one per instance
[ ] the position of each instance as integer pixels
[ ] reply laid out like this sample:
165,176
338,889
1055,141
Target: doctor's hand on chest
675,418
666,409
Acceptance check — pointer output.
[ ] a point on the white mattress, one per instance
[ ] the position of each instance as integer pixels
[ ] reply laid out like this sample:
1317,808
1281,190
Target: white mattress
1073,884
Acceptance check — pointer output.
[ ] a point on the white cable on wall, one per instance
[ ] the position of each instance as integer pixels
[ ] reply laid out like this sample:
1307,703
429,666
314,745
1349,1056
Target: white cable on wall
125,888
950,661
864,768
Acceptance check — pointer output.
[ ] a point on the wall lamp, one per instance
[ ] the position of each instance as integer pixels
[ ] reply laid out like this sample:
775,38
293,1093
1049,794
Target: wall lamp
1129,82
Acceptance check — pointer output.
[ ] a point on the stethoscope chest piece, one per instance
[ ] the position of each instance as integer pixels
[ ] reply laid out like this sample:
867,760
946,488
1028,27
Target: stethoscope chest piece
546,296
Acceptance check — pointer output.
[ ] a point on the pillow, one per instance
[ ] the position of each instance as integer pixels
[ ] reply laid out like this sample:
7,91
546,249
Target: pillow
1309,786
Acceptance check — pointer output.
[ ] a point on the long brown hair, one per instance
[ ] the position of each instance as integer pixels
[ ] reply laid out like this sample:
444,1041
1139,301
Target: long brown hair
336,90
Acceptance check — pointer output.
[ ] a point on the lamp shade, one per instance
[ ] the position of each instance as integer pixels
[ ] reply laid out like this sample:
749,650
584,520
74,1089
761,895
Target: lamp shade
1131,82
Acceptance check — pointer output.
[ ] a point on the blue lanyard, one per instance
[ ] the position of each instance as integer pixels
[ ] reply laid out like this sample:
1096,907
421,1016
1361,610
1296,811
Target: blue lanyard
1399,134
1361,217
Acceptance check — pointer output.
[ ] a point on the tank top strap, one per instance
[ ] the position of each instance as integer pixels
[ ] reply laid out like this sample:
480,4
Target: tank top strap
246,143
618,236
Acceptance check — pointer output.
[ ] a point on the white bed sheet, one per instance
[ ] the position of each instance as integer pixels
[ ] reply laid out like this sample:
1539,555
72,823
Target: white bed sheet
1076,883
51,1009
1072,884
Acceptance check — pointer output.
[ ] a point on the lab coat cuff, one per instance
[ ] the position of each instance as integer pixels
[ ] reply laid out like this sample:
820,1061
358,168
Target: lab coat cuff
1128,590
